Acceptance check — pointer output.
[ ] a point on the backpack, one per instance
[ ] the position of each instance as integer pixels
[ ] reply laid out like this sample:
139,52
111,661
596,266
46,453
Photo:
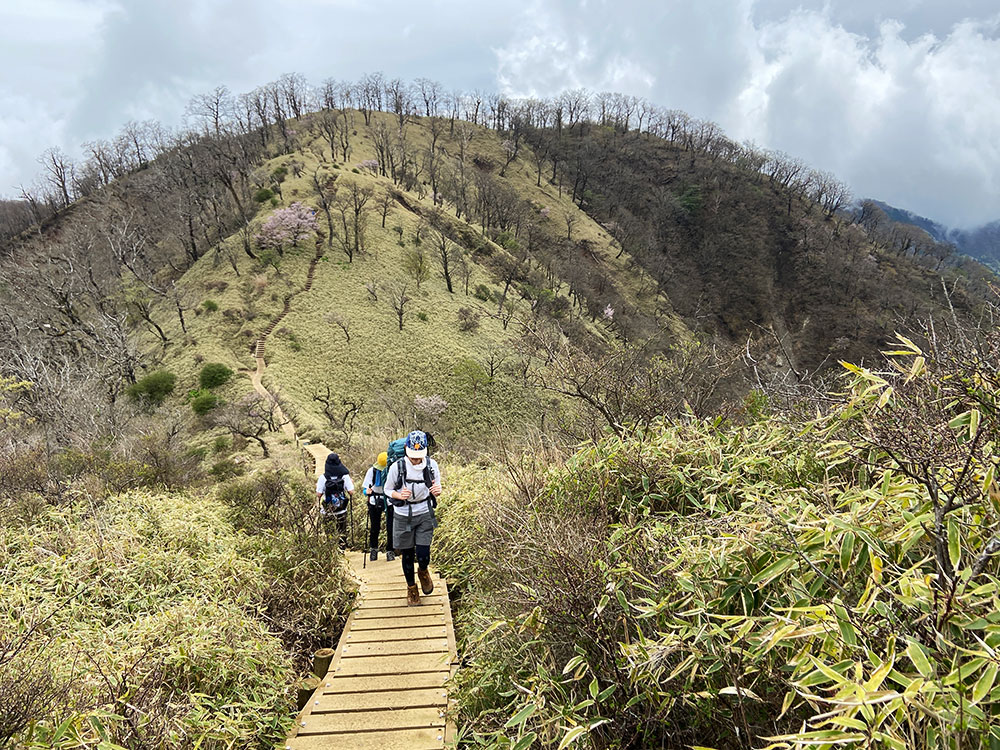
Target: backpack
334,496
397,448
428,480
395,451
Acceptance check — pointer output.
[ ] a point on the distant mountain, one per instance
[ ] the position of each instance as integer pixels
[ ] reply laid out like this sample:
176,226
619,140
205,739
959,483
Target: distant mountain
936,230
982,243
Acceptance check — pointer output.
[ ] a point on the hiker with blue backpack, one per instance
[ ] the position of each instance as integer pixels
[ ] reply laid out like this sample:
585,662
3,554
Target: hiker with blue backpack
334,490
374,489
413,486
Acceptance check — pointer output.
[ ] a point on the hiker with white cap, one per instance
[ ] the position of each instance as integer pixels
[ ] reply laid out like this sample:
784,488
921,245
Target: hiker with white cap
413,485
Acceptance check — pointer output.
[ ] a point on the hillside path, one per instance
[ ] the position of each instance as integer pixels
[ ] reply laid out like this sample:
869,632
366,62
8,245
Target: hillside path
260,347
385,688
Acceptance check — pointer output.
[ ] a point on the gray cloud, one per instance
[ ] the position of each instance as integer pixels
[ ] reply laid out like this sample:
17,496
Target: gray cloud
897,98
899,101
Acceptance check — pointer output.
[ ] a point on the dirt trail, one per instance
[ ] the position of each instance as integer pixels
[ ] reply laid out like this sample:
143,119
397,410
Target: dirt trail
256,377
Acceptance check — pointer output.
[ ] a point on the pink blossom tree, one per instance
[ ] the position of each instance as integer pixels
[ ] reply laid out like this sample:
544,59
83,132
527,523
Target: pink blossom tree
286,227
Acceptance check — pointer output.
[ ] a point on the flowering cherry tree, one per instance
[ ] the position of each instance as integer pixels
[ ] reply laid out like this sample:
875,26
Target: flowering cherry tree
286,227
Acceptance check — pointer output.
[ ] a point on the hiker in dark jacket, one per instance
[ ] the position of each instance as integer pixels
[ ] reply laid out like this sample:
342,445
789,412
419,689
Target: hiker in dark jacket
334,490
412,485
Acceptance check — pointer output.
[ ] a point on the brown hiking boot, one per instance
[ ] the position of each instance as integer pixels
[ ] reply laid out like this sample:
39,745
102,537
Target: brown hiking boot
412,596
426,584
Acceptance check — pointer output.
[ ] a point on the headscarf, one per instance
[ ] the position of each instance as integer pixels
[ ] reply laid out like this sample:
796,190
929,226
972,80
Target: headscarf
334,468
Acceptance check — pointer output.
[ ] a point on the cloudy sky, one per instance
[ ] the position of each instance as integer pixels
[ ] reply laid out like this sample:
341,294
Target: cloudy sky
900,98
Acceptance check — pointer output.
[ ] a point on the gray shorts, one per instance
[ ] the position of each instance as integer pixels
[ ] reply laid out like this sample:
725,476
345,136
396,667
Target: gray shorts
409,532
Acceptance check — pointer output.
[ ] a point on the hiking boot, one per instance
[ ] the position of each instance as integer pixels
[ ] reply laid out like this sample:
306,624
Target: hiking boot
412,596
426,584
389,557
374,555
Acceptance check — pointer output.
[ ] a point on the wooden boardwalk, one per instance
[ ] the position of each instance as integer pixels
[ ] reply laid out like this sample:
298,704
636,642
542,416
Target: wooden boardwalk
386,684
385,689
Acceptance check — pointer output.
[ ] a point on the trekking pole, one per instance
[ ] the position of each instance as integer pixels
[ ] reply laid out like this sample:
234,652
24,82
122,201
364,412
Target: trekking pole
350,518
364,555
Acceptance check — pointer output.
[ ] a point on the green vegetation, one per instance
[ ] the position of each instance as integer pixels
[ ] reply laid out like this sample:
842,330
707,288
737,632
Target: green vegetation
202,403
213,375
710,568
168,602
803,583
154,387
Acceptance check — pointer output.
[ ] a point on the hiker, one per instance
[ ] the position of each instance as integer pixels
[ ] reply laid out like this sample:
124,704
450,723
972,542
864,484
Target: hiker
334,490
374,489
413,484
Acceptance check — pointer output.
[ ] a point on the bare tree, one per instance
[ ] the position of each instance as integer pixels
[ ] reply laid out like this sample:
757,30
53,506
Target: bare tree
351,203
341,412
59,172
343,323
250,417
446,252
383,203
398,299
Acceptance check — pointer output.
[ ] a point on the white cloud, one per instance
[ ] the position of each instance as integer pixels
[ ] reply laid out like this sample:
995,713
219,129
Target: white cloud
907,117
898,98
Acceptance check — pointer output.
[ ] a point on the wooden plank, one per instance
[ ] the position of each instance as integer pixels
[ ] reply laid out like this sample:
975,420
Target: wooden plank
372,721
343,684
400,624
394,664
397,635
432,697
423,646
407,739
432,608
398,599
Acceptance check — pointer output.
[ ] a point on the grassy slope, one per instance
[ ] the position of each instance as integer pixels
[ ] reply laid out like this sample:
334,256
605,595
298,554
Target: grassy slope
427,352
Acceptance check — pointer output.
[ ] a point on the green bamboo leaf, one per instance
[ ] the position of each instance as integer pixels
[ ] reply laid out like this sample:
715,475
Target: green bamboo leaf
954,546
572,736
985,683
846,551
521,716
572,664
847,631
917,654
525,742
774,570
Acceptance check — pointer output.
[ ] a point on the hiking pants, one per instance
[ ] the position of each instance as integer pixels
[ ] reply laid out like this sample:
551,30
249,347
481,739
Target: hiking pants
375,519
422,554
414,544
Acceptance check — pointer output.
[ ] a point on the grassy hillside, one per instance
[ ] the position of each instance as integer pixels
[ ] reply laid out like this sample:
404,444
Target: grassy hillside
381,366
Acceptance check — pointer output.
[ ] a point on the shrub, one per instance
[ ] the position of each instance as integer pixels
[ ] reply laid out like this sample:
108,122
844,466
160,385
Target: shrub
154,387
167,603
482,292
227,468
210,305
203,403
263,195
221,445
213,375
780,583
422,316
468,319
